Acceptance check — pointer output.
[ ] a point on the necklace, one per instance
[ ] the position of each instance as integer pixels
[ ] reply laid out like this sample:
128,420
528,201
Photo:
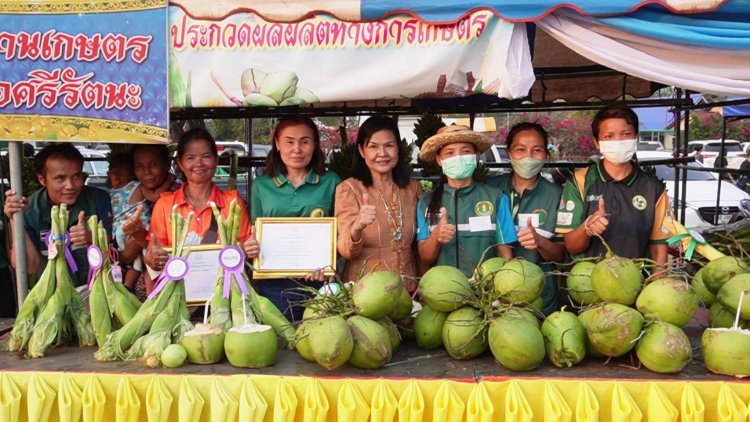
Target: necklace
396,225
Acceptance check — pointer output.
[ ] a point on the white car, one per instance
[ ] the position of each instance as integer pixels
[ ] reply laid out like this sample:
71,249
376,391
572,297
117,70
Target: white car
700,197
712,147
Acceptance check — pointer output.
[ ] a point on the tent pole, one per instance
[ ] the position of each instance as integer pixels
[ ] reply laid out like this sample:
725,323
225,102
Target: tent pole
722,153
686,139
675,153
15,154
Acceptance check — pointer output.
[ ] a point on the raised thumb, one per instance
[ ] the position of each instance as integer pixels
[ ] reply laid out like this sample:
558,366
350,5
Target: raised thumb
365,199
137,213
252,232
601,206
81,218
528,223
155,242
443,215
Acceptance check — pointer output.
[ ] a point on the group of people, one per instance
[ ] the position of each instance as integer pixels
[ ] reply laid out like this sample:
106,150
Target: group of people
385,221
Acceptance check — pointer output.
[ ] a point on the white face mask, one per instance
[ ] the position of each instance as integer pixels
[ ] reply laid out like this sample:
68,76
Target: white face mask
527,167
618,152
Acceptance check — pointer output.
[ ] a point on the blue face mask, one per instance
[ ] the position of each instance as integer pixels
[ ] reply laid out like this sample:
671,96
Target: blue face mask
459,167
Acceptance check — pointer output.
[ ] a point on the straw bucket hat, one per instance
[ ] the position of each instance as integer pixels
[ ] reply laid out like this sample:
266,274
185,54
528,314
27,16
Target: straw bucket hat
450,135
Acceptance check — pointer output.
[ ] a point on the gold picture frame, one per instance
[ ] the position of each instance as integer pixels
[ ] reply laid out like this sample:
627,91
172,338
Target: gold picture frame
299,240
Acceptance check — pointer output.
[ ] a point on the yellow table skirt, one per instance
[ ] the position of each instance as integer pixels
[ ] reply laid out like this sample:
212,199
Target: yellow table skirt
89,397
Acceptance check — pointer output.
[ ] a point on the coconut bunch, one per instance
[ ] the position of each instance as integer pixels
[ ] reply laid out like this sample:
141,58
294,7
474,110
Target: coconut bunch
726,351
110,303
354,323
53,311
161,320
230,312
491,310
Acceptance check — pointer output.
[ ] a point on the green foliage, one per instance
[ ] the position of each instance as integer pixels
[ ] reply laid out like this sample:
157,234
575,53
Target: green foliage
227,129
427,126
30,181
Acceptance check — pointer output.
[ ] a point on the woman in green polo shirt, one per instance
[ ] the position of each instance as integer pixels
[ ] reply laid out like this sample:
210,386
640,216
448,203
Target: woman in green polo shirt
461,219
294,184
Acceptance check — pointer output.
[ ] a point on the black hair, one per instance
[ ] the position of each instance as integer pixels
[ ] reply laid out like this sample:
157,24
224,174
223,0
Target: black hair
437,197
196,134
614,112
121,160
275,166
372,125
162,152
520,127
697,147
62,150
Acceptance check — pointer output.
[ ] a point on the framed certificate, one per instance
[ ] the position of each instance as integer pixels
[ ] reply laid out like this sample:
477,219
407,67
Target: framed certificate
200,280
294,247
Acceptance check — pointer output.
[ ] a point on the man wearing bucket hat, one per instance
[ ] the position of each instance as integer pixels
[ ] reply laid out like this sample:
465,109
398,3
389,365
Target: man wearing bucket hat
614,200
461,219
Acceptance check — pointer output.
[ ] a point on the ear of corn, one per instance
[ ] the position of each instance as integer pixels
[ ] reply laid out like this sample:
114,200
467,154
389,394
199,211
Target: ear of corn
220,312
100,317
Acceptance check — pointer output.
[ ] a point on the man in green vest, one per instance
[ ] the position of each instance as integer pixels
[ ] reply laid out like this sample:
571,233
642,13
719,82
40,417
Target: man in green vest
533,204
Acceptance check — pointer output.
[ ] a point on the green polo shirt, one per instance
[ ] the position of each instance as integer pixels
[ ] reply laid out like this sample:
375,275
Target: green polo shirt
481,214
276,197
542,199
92,201
636,207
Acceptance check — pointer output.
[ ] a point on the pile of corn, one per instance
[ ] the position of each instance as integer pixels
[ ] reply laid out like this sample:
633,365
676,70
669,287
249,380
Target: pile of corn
111,304
53,312
160,321
228,312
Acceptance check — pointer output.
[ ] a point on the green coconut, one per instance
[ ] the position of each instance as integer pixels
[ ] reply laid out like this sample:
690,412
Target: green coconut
393,333
721,317
204,344
516,343
721,270
585,317
664,348
428,328
302,340
444,288
173,356
536,306
617,280
331,341
519,281
485,272
403,307
465,333
376,294
613,328
578,283
729,295
251,346
564,339
313,312
726,351
523,313
704,296
670,300
372,344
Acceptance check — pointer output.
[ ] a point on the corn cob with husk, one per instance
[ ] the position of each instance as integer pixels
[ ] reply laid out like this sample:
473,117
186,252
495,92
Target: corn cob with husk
228,313
160,321
53,311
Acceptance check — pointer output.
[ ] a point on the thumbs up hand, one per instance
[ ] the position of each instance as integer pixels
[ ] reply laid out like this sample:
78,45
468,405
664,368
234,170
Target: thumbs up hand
251,246
527,236
597,222
366,213
133,226
445,232
79,233
156,256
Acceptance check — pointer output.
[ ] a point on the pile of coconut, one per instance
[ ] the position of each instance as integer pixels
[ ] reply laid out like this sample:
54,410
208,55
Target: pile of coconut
355,323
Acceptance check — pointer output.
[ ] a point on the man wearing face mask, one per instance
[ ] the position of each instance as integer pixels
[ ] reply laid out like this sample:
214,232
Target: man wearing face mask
614,199
533,204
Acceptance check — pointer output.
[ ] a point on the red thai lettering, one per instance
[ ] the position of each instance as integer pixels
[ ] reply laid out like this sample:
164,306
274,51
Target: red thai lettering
290,34
88,47
275,36
28,45
7,45
63,46
258,35
177,32
47,84
229,34
244,35
92,95
138,45
114,47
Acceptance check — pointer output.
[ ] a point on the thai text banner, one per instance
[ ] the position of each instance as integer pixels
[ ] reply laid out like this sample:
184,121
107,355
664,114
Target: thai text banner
84,77
244,60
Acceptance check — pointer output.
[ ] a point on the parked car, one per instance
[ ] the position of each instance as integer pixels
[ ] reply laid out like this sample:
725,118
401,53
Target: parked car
225,147
96,166
712,147
702,188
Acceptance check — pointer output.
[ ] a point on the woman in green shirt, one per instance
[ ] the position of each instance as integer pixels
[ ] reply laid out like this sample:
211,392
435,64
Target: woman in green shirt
294,184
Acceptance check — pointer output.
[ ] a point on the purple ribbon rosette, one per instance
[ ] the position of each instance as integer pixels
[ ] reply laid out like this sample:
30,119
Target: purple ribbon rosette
232,260
175,269
50,241
96,261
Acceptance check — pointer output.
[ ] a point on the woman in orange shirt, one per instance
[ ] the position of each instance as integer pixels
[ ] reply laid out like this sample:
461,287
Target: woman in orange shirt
197,158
